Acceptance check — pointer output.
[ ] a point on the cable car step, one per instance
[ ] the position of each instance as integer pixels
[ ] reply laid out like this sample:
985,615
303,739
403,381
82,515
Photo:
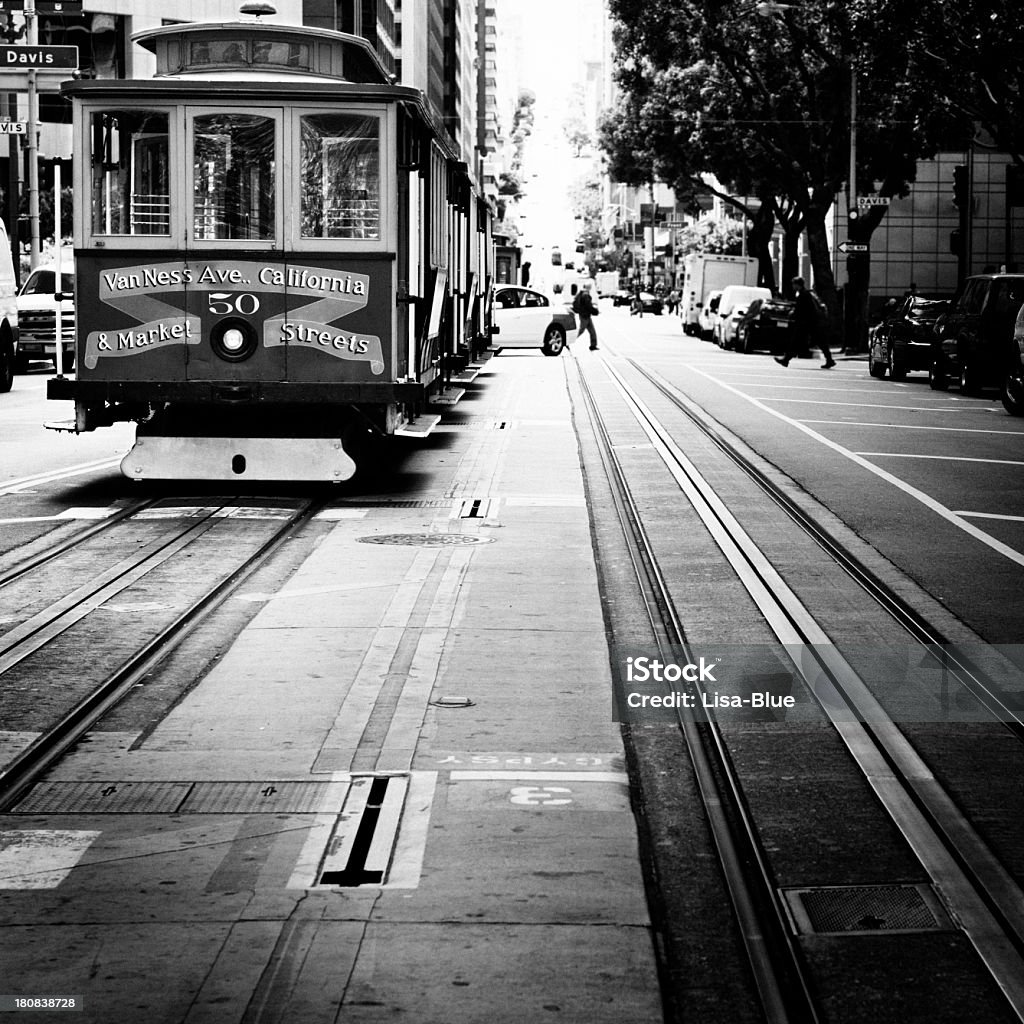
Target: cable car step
449,396
419,427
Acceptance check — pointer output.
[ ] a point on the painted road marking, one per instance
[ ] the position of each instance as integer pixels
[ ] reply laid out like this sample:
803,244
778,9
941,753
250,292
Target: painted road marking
990,515
811,387
215,511
899,426
333,515
509,760
501,776
925,499
942,458
540,796
40,858
858,405
83,512
21,483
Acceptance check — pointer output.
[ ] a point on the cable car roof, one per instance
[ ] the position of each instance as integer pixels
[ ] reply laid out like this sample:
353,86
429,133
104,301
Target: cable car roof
216,49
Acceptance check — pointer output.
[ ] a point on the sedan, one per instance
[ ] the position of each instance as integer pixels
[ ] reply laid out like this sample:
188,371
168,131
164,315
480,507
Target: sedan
766,325
524,318
902,340
650,303
974,337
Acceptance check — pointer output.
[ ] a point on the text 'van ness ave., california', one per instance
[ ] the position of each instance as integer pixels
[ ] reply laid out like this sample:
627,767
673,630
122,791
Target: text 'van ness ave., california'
148,278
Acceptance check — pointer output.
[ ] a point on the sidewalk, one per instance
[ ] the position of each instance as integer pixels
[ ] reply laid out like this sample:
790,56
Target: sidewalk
425,708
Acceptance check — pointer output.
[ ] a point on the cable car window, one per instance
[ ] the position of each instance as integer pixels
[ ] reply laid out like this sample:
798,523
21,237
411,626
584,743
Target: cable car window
285,55
130,173
340,176
218,51
241,51
233,177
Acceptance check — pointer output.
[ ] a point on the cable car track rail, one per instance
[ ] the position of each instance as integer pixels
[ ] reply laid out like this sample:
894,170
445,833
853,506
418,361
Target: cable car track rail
775,963
31,763
983,898
923,632
19,569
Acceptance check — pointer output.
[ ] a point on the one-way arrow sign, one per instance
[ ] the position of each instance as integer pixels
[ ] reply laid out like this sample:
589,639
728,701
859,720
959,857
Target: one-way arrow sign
851,247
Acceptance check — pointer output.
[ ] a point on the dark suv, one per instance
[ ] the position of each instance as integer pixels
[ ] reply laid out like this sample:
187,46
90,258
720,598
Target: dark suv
974,338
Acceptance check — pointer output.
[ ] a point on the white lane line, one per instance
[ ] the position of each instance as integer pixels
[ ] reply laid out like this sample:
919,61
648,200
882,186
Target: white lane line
991,515
20,483
855,405
925,499
68,513
904,426
941,458
813,387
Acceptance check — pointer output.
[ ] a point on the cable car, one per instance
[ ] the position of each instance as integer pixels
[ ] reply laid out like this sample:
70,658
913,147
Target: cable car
277,251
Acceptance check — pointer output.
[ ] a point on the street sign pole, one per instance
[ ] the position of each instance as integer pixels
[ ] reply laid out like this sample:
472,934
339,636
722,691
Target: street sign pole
32,32
58,277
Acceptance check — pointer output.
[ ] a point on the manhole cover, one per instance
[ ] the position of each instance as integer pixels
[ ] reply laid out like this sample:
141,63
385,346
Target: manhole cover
862,909
424,540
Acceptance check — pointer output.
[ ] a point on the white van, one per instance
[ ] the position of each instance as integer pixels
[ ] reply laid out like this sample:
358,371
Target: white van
8,313
735,301
37,320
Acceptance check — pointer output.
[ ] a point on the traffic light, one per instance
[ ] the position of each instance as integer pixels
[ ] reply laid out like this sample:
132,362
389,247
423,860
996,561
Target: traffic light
960,184
1014,186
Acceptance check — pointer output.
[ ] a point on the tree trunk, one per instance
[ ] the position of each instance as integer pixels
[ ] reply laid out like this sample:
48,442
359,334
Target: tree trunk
858,280
759,244
821,264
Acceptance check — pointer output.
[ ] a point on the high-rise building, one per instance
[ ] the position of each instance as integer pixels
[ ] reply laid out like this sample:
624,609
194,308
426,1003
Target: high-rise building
438,55
374,20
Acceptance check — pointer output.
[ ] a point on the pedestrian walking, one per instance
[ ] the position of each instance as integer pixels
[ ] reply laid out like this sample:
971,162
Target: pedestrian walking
583,306
525,273
636,304
809,326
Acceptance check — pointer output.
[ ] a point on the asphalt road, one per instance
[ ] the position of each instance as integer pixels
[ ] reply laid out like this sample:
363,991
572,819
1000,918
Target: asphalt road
933,480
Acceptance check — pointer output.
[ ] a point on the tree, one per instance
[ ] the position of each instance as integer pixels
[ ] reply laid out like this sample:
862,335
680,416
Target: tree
763,105
974,53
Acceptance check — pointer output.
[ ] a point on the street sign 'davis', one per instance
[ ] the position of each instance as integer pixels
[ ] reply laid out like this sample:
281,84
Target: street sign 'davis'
43,58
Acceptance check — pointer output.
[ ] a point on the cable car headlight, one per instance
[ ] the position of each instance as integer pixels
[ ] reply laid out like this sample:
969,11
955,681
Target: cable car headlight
234,339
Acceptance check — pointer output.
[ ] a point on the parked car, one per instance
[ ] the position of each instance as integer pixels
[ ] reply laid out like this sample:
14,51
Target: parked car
37,319
524,318
901,341
649,302
8,313
622,297
707,315
731,308
974,337
767,327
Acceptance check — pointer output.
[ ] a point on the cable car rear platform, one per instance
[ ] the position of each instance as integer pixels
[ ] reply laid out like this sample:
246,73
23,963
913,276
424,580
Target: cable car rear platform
398,792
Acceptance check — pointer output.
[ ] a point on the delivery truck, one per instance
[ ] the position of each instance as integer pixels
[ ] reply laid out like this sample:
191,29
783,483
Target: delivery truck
704,273
607,282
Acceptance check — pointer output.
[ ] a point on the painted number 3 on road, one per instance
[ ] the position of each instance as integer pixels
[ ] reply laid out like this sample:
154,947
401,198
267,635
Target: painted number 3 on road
542,796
